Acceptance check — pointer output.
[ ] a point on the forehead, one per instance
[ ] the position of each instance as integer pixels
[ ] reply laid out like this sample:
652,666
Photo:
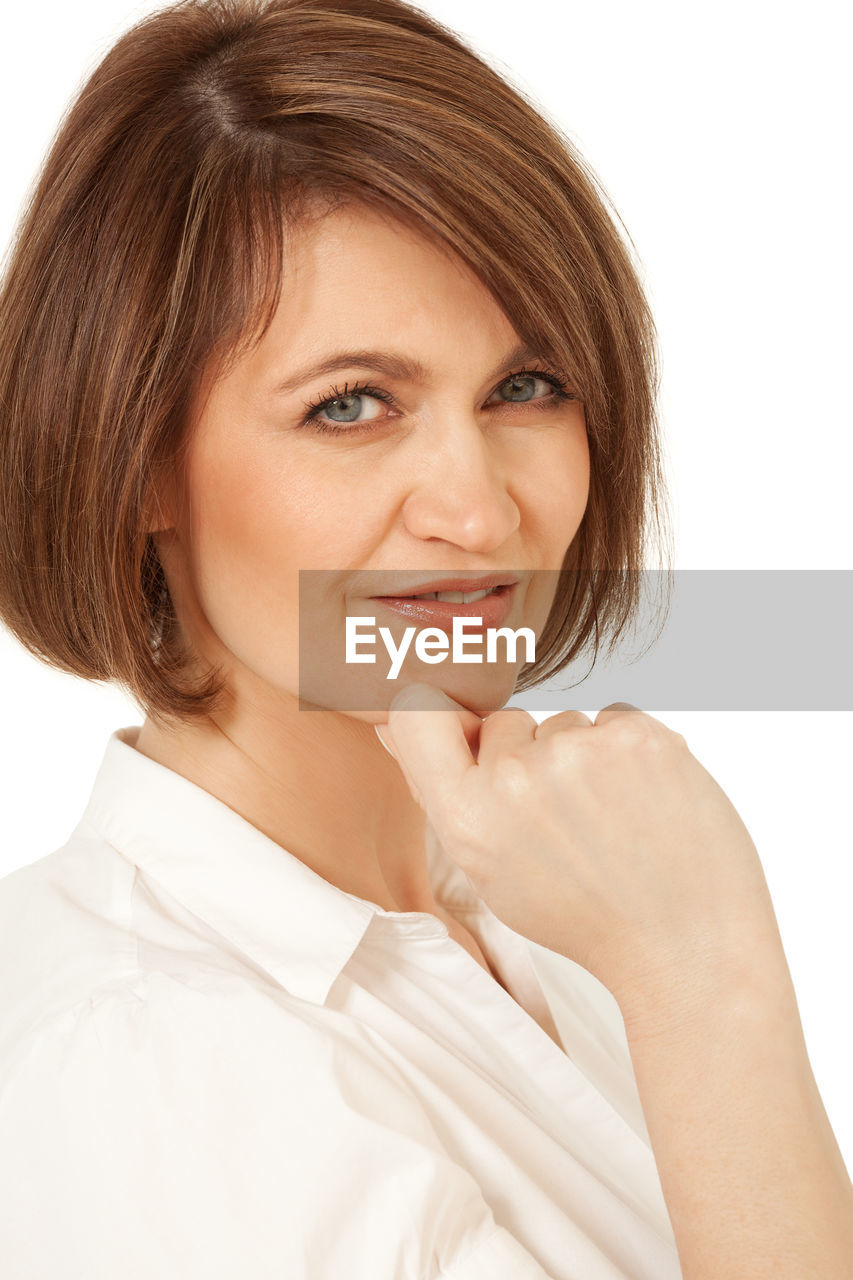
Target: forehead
352,231
364,268
355,277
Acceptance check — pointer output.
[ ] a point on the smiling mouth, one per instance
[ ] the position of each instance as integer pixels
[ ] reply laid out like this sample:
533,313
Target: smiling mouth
441,607
460,589
451,597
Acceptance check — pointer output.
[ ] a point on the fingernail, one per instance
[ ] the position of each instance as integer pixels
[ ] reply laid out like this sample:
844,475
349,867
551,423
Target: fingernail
384,743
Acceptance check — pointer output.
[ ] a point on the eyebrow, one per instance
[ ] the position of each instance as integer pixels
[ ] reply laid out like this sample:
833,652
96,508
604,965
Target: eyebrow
394,365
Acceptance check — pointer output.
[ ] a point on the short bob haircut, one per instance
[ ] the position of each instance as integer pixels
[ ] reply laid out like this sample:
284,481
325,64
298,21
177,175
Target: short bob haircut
153,249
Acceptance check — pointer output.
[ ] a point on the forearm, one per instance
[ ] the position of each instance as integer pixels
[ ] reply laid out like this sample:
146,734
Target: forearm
752,1175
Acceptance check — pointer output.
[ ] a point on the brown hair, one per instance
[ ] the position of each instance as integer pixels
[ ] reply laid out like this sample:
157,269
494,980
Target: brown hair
153,244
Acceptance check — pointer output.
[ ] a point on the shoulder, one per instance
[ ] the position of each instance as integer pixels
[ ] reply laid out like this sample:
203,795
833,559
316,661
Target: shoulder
62,931
181,1117
92,969
178,1128
92,1015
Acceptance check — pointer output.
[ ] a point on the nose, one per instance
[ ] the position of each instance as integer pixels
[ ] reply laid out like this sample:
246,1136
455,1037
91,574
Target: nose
460,495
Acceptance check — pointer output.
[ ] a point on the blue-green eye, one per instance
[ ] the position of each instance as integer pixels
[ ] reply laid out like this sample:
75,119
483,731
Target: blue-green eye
348,404
525,382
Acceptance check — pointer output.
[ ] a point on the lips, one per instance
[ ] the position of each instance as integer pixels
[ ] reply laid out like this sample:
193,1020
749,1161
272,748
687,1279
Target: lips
482,582
493,609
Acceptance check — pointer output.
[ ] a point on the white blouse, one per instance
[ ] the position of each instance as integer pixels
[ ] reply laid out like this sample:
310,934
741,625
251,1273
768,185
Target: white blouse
214,1063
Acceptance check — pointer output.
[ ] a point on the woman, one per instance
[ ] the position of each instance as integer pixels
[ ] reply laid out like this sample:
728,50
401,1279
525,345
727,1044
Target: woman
308,287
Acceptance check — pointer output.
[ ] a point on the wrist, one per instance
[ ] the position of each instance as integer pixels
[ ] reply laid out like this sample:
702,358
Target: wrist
692,987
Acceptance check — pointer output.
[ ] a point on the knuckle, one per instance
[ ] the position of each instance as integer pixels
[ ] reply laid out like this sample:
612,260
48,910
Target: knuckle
627,732
506,714
559,751
635,733
562,720
511,774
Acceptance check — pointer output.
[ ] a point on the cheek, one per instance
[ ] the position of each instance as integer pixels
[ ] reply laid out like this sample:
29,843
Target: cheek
255,521
562,485
563,473
261,516
241,529
244,552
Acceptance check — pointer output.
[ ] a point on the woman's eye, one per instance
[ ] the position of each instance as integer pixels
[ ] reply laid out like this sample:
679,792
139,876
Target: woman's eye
349,408
522,386
343,410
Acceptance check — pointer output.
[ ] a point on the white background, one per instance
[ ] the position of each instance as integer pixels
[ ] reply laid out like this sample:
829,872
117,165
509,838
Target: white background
719,132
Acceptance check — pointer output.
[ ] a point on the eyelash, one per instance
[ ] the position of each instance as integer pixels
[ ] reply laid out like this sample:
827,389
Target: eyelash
557,380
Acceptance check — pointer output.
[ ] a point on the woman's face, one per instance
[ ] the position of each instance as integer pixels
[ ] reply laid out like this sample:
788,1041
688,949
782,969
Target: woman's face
448,470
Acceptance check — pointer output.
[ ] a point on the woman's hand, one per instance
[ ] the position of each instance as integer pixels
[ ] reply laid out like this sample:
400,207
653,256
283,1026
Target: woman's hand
607,841
610,843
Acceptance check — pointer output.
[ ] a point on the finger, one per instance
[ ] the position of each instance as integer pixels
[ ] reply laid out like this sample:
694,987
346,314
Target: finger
385,739
428,735
614,709
504,730
421,697
561,722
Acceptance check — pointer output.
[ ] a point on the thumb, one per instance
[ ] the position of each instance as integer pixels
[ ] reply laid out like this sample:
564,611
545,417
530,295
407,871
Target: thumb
431,736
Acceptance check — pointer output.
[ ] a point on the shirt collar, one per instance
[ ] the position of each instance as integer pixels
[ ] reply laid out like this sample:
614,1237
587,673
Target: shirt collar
263,899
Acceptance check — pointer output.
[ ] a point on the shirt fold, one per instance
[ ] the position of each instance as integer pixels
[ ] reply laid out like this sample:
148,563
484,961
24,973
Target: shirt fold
214,1063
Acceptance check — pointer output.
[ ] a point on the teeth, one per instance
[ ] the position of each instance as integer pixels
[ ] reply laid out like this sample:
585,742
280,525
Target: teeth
455,597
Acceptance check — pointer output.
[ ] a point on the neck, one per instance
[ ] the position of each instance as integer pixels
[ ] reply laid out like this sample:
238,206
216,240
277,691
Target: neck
318,783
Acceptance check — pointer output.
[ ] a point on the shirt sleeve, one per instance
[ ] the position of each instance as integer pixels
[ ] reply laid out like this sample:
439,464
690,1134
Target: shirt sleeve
168,1129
